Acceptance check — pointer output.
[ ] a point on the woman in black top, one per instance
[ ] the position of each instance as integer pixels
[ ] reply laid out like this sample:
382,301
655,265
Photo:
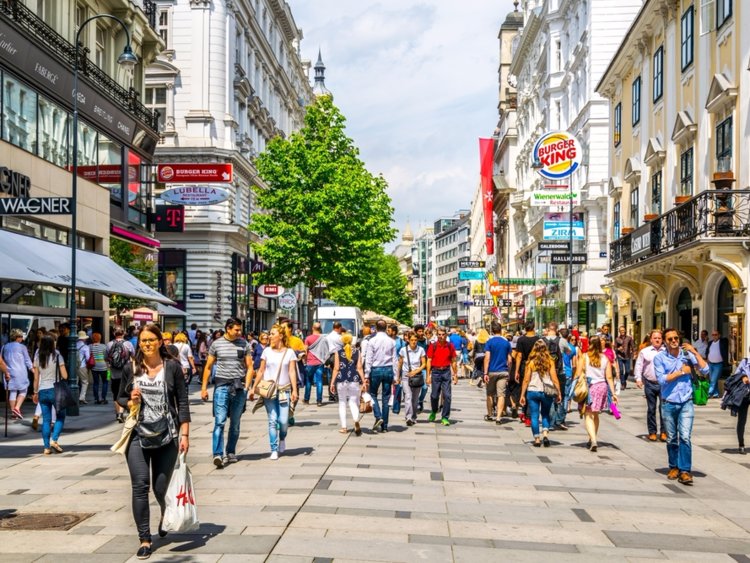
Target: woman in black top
154,381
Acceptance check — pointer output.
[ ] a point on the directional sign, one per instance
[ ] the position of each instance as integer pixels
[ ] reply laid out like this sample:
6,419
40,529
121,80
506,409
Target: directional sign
194,173
470,275
36,206
196,295
483,302
526,281
471,263
565,258
564,246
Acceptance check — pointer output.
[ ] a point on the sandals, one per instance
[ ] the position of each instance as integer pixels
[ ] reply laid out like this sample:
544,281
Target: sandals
343,431
55,446
537,443
488,418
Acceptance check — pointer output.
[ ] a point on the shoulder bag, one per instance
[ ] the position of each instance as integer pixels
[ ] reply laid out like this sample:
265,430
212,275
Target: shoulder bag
63,395
549,388
160,432
581,388
269,387
414,380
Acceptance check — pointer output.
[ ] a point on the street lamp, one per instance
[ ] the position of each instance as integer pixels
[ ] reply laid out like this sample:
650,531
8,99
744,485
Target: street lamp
127,60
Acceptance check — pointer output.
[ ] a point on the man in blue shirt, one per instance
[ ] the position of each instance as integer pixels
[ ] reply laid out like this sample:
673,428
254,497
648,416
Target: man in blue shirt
672,369
497,352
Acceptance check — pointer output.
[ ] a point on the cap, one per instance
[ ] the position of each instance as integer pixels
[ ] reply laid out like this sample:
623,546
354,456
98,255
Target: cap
82,335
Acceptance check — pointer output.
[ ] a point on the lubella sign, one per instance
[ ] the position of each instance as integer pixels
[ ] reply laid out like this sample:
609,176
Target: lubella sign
558,154
195,195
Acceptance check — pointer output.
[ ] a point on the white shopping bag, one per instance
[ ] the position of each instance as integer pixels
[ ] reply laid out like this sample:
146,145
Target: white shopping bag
366,397
393,396
180,514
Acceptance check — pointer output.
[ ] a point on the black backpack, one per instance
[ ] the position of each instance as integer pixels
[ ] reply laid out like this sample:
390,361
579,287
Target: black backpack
554,350
118,355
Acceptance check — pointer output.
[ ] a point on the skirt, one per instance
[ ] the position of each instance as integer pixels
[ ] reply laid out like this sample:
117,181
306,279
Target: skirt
597,400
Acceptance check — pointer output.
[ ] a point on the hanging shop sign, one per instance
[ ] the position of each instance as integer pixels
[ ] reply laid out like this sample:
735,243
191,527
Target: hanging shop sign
471,263
287,301
546,197
195,195
557,226
194,173
563,246
169,218
566,258
483,302
558,154
470,275
270,290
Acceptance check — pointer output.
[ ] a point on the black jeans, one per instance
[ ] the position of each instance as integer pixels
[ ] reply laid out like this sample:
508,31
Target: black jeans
741,420
653,395
161,462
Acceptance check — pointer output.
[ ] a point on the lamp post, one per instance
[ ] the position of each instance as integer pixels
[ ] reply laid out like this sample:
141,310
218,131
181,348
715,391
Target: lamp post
127,60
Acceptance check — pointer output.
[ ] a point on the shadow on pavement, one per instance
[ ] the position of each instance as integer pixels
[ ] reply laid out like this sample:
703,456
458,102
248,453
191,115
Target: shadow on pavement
187,542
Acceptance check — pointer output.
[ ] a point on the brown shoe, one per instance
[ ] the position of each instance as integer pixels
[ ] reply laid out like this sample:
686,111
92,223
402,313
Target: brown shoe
673,474
652,437
686,478
663,437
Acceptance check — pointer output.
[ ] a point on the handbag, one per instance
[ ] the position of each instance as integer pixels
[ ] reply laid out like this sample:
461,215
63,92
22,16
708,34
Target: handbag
159,432
268,388
365,403
63,394
91,362
414,380
180,512
581,390
121,446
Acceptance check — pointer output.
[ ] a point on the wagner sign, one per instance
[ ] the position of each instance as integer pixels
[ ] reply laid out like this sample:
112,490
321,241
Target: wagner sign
558,153
19,186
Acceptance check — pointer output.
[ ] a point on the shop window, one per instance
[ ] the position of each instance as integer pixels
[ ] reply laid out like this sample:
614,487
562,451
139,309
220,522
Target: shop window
686,25
109,170
636,107
686,173
54,144
618,124
19,114
656,188
634,208
658,85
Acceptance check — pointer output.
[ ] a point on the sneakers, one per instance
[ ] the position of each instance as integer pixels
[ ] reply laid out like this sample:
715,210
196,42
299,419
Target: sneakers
274,455
673,474
527,422
685,478
432,416
218,462
445,422
378,424
282,446
16,413
230,458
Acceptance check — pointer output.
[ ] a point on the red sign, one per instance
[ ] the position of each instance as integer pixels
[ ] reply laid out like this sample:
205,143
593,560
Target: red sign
143,316
108,173
193,173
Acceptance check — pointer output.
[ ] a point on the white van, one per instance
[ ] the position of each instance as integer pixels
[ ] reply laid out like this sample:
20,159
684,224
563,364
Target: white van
349,317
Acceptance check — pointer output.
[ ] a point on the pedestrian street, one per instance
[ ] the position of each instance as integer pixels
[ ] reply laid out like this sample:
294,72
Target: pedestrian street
473,491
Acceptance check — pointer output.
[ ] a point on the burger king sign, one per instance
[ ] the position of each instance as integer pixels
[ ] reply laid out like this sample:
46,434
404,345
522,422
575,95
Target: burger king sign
558,155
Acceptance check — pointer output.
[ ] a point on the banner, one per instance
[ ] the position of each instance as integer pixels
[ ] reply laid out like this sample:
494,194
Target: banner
486,153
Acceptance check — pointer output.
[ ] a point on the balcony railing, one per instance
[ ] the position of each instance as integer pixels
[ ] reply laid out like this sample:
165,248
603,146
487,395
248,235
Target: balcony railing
709,215
59,47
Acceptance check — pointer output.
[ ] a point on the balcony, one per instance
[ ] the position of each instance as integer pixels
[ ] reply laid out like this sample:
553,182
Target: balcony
56,46
710,215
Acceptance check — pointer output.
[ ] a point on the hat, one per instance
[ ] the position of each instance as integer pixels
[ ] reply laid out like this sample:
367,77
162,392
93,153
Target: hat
82,335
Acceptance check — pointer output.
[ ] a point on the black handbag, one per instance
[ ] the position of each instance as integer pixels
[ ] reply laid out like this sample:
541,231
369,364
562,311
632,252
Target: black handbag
415,380
63,395
158,432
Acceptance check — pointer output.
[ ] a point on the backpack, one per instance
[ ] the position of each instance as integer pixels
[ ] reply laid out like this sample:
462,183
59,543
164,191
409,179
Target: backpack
554,350
118,355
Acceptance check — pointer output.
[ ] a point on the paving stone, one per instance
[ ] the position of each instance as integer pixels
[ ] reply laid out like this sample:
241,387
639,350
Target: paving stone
678,542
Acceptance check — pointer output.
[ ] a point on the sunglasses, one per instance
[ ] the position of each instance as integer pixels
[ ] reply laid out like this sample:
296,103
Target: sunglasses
672,338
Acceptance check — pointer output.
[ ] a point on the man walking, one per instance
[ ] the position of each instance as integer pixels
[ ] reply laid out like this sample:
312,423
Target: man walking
497,353
625,350
119,352
701,345
442,370
381,367
645,379
234,361
314,367
673,371
718,352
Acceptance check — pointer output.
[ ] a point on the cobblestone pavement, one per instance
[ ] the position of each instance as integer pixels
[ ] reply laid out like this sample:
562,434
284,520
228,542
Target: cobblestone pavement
474,491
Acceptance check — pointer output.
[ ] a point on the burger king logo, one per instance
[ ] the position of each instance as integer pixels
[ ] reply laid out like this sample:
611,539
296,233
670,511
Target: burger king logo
558,153
166,173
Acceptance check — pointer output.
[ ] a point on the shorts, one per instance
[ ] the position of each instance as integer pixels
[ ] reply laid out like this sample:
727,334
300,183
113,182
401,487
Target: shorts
498,383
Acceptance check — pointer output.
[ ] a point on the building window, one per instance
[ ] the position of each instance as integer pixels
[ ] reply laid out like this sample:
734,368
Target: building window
53,133
618,124
686,173
686,53
656,194
19,114
616,220
724,145
156,99
636,101
100,61
723,12
162,27
658,73
634,208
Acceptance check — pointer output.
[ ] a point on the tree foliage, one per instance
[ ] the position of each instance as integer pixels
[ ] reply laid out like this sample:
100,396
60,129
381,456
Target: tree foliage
322,214
380,288
130,259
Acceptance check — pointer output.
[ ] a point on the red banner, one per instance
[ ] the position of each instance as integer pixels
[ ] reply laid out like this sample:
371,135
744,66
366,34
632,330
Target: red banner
486,153
192,173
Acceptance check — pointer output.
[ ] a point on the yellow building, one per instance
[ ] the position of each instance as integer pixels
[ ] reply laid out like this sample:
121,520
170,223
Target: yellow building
679,199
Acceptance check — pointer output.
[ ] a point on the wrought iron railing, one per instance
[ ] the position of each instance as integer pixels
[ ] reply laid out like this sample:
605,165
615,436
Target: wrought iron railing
149,8
709,215
60,48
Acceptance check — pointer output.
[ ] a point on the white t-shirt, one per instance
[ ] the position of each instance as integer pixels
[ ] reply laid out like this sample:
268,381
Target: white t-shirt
414,359
185,351
273,358
596,375
47,374
153,396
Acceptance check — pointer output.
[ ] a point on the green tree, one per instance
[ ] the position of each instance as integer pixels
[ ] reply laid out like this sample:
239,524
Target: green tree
322,214
130,259
381,287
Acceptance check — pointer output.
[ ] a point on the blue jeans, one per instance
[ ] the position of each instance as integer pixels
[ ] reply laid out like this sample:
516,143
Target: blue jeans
714,371
314,373
380,376
227,403
538,402
46,399
562,406
442,382
678,420
100,377
625,365
278,420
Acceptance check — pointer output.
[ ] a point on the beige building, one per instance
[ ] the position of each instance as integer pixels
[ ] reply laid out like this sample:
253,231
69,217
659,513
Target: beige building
679,199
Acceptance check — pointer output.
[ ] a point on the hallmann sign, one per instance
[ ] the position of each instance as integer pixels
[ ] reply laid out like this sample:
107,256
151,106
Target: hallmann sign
20,202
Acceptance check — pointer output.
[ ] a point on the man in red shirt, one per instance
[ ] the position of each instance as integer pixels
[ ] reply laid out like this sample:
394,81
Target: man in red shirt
441,372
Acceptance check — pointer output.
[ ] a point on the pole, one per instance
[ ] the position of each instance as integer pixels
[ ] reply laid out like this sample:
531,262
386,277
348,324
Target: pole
7,400
570,258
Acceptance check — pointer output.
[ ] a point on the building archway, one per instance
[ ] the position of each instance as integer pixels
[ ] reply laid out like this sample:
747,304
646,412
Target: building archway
684,313
724,306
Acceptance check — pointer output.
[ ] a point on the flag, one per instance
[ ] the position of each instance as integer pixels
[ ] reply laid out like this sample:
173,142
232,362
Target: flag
486,150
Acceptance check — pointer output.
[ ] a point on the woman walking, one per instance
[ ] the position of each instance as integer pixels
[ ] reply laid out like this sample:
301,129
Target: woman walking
348,381
99,372
540,389
18,365
154,381
185,356
597,370
278,363
48,367
411,364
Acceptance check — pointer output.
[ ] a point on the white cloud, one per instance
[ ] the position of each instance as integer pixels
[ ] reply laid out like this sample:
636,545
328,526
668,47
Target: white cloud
417,82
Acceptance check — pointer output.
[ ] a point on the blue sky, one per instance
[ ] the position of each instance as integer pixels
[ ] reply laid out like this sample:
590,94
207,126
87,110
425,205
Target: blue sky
417,82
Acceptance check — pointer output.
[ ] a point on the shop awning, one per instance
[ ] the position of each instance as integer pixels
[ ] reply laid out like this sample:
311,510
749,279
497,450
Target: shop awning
32,261
169,311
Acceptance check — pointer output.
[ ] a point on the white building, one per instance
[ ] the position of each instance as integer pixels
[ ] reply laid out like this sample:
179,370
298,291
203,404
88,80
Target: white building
451,299
230,79
560,55
423,280
478,251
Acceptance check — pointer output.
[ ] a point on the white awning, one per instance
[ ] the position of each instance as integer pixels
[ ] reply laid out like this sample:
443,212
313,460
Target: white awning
169,311
33,261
